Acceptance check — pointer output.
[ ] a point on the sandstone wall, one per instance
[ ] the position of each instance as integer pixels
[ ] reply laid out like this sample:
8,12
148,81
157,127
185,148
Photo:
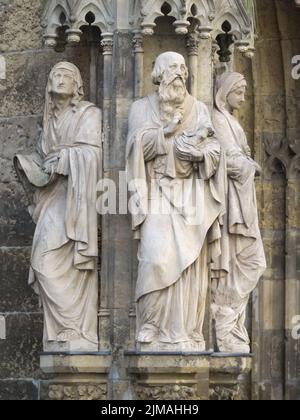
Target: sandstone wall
21,109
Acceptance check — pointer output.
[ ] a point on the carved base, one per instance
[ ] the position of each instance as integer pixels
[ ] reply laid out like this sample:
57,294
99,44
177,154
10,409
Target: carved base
70,346
149,376
186,347
169,376
230,378
189,377
83,377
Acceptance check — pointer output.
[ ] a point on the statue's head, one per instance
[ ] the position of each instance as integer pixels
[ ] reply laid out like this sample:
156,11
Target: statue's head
168,67
65,80
170,73
231,91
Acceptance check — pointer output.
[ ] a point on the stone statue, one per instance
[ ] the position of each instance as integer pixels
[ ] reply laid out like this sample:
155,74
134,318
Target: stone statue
173,162
243,259
61,179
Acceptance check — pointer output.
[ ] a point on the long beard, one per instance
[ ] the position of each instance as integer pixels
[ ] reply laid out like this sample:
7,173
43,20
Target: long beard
171,98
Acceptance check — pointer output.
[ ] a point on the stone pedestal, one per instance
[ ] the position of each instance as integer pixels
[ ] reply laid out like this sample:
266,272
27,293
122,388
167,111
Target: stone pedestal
75,377
168,376
230,377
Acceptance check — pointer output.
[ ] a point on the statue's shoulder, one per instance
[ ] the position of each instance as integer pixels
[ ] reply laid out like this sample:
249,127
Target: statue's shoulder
201,105
141,102
139,109
218,115
89,107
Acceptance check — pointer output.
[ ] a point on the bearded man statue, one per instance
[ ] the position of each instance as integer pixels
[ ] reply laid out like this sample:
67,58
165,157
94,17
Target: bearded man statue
174,163
61,179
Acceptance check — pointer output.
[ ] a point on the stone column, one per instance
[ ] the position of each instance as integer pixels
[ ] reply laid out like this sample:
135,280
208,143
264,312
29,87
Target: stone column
192,48
117,242
104,313
205,71
107,45
138,64
292,284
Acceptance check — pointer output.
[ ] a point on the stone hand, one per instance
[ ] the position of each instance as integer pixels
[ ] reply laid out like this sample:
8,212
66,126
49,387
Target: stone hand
202,134
50,166
172,126
258,168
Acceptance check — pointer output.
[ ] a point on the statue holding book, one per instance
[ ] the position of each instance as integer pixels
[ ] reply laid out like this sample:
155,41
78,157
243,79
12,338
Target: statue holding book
60,180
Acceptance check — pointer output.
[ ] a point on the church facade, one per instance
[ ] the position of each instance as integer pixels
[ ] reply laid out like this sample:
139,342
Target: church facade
114,43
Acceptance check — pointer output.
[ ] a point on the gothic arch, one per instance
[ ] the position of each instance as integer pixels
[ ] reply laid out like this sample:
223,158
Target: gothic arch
75,13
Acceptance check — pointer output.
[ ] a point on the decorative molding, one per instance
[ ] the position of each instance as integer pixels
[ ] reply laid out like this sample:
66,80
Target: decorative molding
138,42
166,392
72,14
241,16
135,16
208,17
193,44
225,393
287,155
205,16
89,392
182,11
107,43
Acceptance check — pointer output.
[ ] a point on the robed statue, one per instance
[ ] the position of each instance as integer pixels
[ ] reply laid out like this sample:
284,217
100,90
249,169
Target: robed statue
176,175
243,258
60,179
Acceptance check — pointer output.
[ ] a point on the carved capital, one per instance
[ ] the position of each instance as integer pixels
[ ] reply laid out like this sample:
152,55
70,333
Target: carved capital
107,43
193,44
138,42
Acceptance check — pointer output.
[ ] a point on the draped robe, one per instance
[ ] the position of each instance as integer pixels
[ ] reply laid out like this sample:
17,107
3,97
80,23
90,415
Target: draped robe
243,257
64,251
174,249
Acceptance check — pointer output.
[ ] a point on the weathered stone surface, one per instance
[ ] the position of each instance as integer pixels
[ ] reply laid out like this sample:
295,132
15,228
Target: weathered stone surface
75,377
272,204
18,390
230,378
18,135
273,309
168,377
20,24
166,393
27,73
79,364
272,354
16,295
274,247
292,390
16,227
20,351
68,391
270,390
